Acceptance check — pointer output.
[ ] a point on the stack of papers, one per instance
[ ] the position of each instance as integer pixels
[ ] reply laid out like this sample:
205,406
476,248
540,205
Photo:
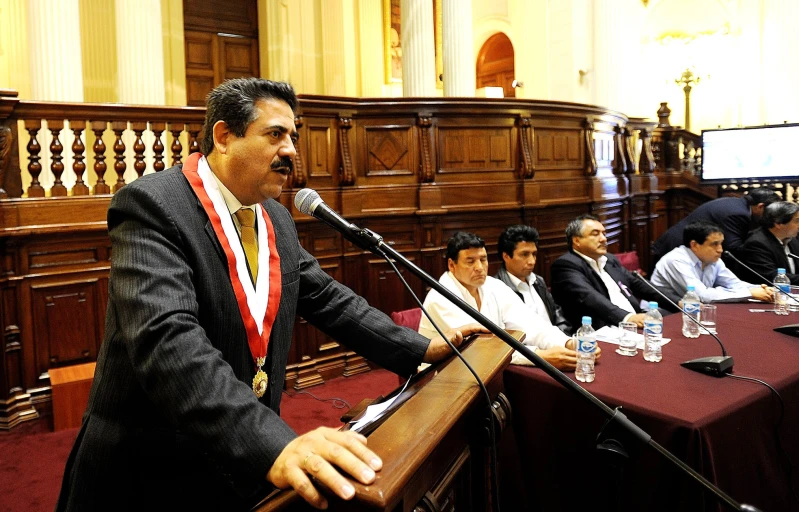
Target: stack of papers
611,334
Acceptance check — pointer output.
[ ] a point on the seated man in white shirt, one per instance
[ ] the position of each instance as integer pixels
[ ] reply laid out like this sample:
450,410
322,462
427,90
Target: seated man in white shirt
518,249
698,262
467,277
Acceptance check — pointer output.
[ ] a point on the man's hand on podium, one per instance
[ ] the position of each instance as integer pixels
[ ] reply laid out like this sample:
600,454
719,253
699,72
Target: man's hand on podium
314,454
438,348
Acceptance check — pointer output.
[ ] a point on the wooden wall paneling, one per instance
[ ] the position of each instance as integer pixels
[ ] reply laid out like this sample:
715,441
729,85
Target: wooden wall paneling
639,228
551,224
314,356
492,147
17,405
62,334
613,215
390,152
238,56
232,16
558,157
322,160
202,73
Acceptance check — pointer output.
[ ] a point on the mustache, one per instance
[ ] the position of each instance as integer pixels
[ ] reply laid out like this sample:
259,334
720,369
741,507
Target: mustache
284,165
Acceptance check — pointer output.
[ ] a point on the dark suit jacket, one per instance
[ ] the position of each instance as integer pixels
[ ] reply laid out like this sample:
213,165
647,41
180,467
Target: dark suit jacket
540,286
732,214
765,254
172,421
580,291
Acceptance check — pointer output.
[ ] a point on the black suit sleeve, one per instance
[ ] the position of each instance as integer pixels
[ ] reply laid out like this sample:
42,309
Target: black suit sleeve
346,317
576,292
736,228
556,316
763,259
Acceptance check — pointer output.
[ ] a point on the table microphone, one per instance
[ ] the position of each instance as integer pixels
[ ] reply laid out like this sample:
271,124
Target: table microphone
718,366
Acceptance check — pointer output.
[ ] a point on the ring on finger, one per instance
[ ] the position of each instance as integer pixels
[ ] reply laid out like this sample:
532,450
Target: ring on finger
305,461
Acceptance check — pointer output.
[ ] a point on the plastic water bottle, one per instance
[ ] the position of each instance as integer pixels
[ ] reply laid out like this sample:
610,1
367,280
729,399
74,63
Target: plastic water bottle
586,352
690,308
781,299
653,334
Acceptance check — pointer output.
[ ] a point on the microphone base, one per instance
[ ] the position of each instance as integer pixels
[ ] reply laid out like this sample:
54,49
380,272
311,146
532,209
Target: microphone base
718,366
791,329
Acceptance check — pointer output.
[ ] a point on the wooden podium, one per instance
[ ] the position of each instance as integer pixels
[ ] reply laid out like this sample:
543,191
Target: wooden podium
435,446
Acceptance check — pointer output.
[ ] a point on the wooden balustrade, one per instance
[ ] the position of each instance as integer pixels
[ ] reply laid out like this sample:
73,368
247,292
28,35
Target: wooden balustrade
414,170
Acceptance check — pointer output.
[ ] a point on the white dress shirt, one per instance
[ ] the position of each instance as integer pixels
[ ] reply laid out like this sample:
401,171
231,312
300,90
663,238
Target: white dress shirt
499,304
530,296
680,267
616,296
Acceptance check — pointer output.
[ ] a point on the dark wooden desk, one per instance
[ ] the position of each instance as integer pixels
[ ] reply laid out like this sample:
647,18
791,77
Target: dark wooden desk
432,447
724,428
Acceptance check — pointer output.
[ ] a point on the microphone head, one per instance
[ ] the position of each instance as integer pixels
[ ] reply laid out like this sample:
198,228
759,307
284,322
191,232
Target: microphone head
306,200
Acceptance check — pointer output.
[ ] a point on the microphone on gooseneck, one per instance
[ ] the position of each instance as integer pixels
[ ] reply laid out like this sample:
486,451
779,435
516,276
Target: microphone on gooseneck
760,276
308,202
717,366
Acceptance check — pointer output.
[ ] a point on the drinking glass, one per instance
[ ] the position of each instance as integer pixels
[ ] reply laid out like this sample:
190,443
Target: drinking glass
707,317
627,340
792,304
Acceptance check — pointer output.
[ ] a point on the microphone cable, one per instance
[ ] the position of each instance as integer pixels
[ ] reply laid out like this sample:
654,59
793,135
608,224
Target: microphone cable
493,439
787,465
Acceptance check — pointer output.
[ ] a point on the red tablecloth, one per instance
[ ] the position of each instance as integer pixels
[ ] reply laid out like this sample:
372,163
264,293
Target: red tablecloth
722,427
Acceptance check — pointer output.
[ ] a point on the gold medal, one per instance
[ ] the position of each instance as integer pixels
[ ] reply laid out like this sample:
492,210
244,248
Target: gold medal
261,380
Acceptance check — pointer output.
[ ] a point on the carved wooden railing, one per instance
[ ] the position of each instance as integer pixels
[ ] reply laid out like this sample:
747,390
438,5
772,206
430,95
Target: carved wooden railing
36,120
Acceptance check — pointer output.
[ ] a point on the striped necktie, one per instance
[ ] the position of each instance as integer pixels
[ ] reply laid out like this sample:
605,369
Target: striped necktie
246,218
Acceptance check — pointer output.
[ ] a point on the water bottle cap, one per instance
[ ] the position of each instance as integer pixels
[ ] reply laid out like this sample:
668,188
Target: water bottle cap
653,305
780,270
586,320
691,288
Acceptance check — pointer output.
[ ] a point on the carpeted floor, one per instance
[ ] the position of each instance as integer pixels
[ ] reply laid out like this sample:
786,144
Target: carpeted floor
32,457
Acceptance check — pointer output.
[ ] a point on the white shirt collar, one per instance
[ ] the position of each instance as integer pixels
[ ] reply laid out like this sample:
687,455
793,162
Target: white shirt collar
516,281
467,296
598,265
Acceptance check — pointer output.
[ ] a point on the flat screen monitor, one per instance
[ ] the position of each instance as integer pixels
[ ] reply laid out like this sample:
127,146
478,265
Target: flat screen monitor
745,154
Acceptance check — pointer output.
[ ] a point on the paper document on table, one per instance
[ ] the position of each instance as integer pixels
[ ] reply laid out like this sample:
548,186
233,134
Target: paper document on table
611,334
374,411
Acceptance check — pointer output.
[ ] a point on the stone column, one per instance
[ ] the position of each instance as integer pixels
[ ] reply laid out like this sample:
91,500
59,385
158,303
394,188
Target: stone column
55,58
140,52
418,49
370,30
338,47
140,57
56,73
607,74
458,47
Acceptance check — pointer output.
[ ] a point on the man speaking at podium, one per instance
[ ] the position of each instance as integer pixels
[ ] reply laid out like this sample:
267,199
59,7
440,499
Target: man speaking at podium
207,277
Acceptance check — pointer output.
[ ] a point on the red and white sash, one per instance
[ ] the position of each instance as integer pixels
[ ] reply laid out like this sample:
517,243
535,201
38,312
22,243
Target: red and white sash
258,304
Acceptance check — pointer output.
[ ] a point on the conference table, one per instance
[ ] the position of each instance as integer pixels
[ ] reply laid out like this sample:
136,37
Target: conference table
724,428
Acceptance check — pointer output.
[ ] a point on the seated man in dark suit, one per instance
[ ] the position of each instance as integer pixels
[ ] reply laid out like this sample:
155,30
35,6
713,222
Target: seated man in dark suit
768,247
518,250
589,281
736,216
